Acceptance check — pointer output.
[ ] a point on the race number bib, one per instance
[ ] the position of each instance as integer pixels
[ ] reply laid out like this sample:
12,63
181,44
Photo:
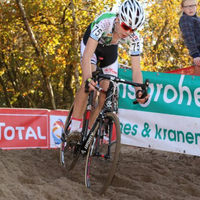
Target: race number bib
97,31
136,46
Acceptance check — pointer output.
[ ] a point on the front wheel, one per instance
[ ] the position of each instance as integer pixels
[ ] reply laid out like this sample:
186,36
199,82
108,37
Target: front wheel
103,154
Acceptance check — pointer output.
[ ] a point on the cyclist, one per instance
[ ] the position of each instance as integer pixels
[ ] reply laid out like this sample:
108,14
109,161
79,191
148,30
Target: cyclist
101,41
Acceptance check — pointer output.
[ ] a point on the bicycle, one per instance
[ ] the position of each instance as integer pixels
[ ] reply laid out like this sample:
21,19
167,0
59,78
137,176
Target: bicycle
101,145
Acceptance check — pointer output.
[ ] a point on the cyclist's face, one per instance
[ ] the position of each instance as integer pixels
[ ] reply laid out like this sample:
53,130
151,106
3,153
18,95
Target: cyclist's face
122,29
190,7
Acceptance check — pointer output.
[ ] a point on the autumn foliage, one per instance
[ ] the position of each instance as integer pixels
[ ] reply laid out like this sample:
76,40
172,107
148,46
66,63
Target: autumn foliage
39,47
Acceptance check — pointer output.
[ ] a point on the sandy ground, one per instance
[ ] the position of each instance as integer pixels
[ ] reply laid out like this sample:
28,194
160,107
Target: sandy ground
142,174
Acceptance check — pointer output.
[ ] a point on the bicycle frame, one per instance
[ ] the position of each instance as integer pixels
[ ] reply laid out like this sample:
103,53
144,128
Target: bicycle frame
86,140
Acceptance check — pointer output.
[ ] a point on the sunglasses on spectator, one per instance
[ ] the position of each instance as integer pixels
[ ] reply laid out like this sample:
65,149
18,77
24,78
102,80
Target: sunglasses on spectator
126,28
189,6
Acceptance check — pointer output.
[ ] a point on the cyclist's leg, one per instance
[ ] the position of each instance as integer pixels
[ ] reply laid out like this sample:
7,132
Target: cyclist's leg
112,70
80,101
103,84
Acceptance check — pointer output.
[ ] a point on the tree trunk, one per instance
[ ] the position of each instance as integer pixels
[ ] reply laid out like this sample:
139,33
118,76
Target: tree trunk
68,96
75,46
5,93
38,53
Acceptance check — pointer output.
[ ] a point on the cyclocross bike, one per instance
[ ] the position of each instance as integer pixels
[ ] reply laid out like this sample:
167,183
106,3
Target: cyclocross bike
101,145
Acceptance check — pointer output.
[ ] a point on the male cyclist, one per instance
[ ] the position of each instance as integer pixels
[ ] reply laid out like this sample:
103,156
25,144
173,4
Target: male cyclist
101,40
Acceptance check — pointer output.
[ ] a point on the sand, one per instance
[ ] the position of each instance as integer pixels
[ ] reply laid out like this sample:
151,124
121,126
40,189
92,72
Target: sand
142,174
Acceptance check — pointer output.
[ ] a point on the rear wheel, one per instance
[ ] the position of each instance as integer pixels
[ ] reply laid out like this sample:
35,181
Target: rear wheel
103,154
68,154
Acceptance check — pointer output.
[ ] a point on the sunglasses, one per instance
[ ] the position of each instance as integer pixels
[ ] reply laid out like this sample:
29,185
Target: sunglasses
126,28
190,6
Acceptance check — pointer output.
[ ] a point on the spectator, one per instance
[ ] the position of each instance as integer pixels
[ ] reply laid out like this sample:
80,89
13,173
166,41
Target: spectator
189,24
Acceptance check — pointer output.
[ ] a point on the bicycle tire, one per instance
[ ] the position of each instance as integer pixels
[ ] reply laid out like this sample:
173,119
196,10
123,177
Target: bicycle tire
99,170
68,154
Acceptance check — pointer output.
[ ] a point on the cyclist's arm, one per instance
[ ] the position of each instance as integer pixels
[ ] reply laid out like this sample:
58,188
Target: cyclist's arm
135,58
137,74
87,55
136,71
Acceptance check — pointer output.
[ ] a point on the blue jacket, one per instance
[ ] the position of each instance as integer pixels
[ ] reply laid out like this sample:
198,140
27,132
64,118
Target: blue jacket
190,28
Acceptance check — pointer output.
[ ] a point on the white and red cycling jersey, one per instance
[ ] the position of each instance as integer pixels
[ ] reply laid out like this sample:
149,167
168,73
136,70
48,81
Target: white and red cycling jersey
102,30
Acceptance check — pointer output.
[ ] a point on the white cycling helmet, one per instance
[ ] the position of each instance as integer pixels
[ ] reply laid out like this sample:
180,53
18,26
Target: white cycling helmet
131,13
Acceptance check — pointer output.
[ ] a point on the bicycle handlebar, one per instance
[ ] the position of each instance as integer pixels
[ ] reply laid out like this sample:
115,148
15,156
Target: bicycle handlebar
97,75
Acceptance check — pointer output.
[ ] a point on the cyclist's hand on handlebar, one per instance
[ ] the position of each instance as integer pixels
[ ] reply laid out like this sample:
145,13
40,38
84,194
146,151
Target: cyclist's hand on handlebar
90,85
142,96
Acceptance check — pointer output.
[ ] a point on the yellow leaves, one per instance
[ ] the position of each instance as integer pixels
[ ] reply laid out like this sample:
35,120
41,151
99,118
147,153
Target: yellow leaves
2,72
53,27
185,51
59,51
162,46
60,61
56,41
125,55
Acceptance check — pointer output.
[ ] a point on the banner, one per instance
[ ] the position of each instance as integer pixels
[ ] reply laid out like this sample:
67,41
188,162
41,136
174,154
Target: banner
31,128
192,70
169,120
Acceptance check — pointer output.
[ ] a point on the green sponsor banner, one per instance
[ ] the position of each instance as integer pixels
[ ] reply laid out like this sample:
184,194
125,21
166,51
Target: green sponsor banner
169,93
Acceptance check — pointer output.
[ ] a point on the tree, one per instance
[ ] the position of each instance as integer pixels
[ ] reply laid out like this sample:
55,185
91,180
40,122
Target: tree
163,46
39,47
47,53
